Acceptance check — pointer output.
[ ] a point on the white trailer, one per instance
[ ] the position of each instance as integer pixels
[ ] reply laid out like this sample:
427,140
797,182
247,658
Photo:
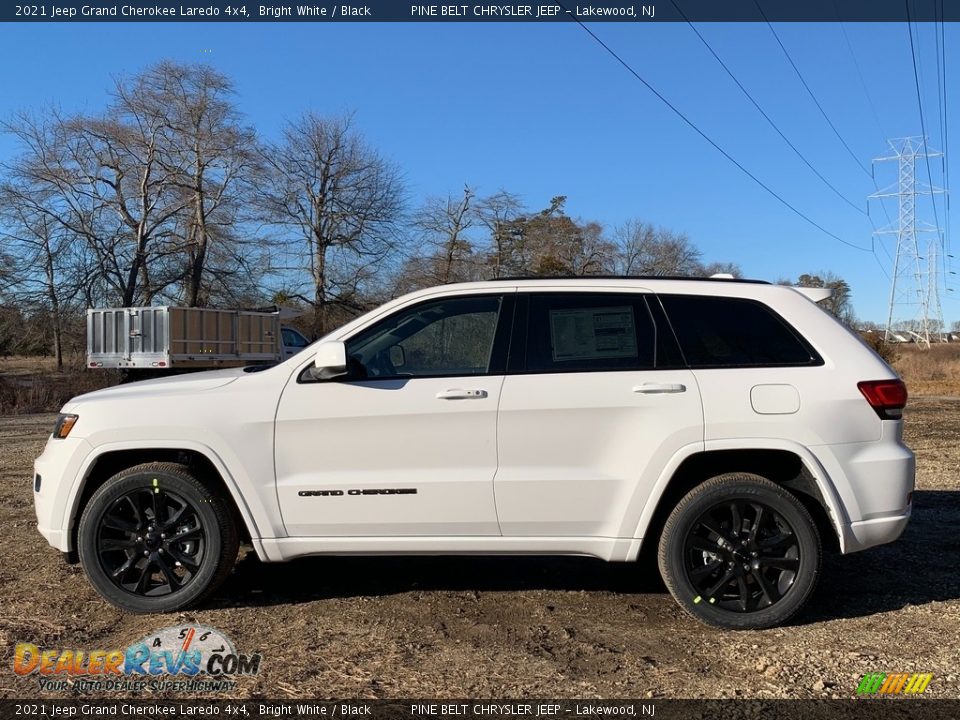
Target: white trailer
151,340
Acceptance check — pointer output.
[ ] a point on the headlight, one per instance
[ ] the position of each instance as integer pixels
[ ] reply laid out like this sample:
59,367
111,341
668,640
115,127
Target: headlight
65,423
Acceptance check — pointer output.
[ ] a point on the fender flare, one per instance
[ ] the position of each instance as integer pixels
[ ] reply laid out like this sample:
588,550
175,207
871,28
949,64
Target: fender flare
80,481
834,507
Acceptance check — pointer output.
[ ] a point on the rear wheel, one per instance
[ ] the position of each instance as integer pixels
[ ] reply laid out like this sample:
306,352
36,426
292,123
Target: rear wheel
154,538
740,552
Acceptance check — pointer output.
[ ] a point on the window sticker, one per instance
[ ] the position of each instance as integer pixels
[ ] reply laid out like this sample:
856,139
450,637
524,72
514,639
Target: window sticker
593,333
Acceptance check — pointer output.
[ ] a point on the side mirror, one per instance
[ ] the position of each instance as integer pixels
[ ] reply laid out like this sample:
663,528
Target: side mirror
330,361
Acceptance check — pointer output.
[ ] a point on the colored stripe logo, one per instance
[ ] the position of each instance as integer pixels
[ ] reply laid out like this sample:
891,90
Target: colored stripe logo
894,683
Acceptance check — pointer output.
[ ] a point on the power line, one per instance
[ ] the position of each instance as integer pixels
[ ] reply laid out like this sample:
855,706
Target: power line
923,123
710,140
863,82
827,117
867,95
939,40
764,114
945,158
810,92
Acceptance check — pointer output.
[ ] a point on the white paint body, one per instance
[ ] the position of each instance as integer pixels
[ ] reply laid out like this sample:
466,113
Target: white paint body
559,463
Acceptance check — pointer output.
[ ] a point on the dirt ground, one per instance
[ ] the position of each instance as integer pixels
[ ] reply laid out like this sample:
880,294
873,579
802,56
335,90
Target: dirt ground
526,627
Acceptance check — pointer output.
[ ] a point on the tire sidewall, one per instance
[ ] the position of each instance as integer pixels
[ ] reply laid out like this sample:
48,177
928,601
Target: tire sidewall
777,499
102,499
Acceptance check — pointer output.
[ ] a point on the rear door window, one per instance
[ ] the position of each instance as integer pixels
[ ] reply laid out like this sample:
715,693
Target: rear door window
580,332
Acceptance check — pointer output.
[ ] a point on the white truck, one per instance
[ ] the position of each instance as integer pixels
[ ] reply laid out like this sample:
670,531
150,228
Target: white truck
150,341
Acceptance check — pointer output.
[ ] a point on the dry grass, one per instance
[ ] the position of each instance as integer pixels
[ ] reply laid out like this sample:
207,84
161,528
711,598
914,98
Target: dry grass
930,372
32,384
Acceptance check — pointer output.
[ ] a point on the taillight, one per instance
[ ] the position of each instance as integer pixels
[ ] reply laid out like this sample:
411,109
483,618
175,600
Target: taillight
886,397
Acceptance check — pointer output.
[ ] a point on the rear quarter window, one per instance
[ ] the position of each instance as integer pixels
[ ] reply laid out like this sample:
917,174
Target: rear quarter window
718,332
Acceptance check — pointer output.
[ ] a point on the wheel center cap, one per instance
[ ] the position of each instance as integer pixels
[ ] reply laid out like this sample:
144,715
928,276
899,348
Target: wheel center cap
152,541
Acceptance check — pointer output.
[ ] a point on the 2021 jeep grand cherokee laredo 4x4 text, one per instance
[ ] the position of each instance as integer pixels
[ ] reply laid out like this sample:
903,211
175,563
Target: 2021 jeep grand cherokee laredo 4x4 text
736,424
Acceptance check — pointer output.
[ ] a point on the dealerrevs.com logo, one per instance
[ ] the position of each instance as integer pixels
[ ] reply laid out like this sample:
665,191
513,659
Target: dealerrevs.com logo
188,658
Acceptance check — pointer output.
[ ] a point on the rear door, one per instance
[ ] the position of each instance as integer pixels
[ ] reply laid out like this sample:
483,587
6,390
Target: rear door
593,407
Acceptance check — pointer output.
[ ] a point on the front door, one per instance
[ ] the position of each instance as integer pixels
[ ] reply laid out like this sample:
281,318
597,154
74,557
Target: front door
405,444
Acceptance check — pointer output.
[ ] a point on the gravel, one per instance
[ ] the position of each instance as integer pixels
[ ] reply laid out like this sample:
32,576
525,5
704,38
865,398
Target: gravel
522,627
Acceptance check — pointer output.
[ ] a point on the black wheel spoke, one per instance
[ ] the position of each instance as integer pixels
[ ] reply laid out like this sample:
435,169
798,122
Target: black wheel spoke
736,520
117,523
783,539
140,586
108,544
722,582
138,518
711,526
175,517
185,560
141,506
792,564
151,542
698,543
757,520
746,567
770,593
172,580
744,598
155,505
705,570
185,534
119,572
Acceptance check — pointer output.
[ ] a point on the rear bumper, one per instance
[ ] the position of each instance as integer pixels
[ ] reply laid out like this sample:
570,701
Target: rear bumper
874,482
868,533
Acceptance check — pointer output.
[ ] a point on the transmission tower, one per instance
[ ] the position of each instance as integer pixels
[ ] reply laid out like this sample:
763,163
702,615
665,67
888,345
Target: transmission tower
914,309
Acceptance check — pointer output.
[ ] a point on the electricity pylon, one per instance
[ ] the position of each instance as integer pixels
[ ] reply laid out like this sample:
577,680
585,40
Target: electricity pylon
914,288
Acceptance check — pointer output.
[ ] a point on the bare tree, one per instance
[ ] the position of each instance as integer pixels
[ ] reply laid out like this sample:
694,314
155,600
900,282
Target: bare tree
550,242
722,268
100,181
343,202
209,156
38,270
643,249
445,252
499,213
840,303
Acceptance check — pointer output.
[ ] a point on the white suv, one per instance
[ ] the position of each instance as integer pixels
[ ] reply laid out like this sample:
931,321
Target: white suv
733,423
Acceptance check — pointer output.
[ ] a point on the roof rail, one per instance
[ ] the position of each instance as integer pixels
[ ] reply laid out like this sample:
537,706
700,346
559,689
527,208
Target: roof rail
713,278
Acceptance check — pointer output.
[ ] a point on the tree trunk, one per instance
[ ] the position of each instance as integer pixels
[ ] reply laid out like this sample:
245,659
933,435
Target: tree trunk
320,292
54,307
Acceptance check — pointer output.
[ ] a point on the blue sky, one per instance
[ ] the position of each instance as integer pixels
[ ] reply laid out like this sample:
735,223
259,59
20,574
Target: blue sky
542,110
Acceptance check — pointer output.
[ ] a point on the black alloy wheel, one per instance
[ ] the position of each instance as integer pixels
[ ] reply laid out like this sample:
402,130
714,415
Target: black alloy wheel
742,556
740,552
151,541
157,538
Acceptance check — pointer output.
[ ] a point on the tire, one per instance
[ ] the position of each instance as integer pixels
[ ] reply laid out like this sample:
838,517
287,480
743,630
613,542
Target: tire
145,566
756,578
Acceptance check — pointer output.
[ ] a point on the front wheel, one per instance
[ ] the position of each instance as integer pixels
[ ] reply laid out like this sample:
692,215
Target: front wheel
740,552
154,538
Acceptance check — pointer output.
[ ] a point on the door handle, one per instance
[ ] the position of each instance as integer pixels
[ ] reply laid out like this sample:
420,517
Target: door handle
659,388
461,394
